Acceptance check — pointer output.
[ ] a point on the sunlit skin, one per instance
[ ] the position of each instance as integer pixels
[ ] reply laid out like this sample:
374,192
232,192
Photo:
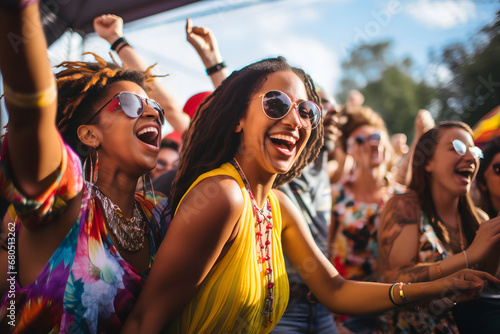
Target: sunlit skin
446,163
256,130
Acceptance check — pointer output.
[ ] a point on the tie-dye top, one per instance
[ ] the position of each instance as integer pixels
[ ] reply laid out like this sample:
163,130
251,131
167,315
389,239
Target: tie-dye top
86,286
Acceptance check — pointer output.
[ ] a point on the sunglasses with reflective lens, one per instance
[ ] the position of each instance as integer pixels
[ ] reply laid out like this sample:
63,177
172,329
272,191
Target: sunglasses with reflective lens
133,105
496,169
277,105
461,149
374,138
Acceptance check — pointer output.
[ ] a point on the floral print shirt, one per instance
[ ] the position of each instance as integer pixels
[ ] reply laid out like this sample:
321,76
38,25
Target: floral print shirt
86,286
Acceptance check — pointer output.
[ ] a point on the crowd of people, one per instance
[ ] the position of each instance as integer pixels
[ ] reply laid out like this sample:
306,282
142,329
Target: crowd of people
269,208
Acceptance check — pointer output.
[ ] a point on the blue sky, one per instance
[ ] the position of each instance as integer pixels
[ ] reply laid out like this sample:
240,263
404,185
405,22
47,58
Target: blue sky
315,35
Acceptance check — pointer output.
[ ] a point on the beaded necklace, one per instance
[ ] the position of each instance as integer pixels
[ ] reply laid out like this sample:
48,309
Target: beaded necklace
264,217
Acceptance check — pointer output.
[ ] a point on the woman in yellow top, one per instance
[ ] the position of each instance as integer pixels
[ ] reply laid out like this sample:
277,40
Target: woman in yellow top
220,267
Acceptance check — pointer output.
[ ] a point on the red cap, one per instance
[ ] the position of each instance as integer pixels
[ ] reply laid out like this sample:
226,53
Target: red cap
194,102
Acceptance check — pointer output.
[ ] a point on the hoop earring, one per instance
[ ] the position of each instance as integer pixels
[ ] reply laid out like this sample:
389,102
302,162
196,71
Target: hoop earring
93,171
145,190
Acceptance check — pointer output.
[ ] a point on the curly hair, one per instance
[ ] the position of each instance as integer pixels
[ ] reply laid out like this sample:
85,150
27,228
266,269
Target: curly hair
211,139
421,183
80,85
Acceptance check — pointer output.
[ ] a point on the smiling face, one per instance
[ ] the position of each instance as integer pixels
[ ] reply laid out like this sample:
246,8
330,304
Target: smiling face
274,144
451,172
125,143
367,146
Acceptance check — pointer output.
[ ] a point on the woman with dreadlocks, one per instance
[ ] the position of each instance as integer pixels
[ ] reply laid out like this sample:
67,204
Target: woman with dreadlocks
220,268
76,258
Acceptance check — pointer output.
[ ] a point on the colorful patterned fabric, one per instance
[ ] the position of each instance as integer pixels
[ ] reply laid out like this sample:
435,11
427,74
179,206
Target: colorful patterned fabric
86,286
432,318
355,247
231,297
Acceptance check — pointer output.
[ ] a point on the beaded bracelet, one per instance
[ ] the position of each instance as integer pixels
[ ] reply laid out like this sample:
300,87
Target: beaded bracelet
31,100
216,68
117,42
401,292
391,297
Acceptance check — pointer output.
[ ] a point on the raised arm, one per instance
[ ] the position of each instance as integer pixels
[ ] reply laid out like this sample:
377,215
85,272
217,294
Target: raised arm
110,28
194,242
354,297
31,99
205,43
423,123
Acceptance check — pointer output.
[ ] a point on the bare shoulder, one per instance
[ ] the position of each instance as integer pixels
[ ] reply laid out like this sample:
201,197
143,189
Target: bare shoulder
402,209
218,197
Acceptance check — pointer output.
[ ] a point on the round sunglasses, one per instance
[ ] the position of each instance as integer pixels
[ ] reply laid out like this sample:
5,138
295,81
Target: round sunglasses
277,105
461,149
133,105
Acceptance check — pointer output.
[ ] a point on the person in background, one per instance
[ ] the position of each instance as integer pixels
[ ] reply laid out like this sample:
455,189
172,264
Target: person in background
110,28
357,202
221,267
311,194
434,229
487,183
168,158
82,248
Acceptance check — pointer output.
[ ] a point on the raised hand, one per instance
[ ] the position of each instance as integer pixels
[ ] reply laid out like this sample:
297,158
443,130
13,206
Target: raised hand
109,27
205,43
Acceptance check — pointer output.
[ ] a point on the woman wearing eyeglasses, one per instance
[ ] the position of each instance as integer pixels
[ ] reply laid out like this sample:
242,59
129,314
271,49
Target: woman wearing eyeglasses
78,255
220,268
357,199
434,229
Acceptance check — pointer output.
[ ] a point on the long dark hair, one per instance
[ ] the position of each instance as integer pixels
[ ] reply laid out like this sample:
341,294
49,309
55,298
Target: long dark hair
490,149
211,139
421,184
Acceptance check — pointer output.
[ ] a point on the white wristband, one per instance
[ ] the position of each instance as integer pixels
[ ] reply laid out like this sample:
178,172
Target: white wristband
466,260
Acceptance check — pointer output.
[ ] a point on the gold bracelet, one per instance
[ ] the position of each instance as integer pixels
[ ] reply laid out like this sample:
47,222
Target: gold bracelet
31,100
438,268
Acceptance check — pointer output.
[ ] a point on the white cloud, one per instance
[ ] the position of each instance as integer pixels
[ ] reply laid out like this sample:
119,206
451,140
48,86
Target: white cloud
309,54
442,14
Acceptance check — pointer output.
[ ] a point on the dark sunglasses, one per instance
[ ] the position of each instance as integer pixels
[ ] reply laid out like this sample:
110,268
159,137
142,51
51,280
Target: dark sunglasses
133,105
373,138
277,105
496,169
461,149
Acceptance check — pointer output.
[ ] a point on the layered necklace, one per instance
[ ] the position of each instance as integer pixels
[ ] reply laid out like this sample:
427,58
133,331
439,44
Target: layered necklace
263,235
128,232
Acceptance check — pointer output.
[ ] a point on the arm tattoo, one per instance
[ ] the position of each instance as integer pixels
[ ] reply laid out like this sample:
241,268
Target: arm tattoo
399,212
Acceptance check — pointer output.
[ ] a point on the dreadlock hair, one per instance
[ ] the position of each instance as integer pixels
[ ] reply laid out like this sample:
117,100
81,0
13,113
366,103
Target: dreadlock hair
80,86
421,184
211,139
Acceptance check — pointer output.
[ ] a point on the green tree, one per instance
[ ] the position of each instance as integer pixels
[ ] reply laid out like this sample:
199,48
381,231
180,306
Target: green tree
474,87
387,85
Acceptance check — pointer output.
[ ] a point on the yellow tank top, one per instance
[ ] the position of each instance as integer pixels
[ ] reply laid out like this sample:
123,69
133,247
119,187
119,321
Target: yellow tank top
231,298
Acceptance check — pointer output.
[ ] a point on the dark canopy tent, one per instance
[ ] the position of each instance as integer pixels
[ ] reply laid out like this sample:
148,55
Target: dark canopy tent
77,15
